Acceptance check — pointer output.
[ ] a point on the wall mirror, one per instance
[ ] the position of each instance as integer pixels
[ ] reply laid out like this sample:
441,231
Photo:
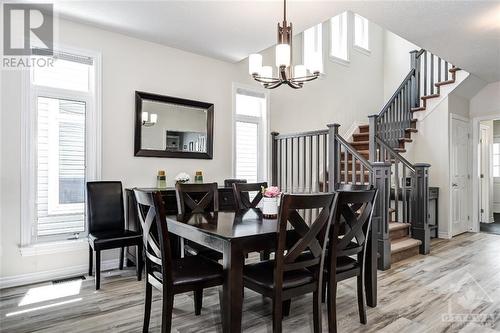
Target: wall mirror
173,127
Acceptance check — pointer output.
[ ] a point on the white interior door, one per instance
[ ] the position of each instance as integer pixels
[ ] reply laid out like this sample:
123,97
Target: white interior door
459,176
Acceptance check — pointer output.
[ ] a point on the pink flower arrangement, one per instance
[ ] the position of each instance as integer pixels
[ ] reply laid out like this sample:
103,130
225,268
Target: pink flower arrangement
271,191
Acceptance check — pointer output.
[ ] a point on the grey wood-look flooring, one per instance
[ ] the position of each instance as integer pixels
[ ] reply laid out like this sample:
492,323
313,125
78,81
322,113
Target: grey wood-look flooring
454,289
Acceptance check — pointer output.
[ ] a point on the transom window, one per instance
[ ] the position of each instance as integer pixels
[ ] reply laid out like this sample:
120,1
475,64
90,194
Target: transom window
338,37
361,32
313,48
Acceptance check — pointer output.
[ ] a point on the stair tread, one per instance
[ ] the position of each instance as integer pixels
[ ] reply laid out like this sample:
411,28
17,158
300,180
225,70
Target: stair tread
453,69
402,244
354,143
405,140
398,226
420,108
442,83
414,130
430,96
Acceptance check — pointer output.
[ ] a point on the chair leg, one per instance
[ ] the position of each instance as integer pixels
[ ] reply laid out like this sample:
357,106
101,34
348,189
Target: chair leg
91,257
120,265
361,300
97,270
147,307
323,292
166,312
317,312
286,307
198,301
139,263
332,307
277,316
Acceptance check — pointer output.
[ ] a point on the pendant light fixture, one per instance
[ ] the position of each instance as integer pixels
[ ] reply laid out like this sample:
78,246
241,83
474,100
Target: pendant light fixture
293,76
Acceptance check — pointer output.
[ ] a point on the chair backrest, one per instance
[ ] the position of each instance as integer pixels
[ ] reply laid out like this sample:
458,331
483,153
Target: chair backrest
105,206
197,198
230,182
311,237
352,221
151,212
242,195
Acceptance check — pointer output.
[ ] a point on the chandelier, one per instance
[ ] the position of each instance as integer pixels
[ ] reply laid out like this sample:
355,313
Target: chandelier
294,76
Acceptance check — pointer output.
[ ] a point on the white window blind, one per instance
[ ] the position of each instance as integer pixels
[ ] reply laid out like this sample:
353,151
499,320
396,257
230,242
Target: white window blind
62,99
313,48
338,37
361,33
250,135
496,159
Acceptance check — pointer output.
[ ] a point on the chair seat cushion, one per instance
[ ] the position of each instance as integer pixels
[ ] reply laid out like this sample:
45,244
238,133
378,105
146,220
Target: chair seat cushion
193,248
194,270
262,274
114,239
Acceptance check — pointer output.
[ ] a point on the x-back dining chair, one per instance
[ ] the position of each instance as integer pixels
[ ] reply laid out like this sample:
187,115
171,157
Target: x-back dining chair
197,198
292,273
170,276
242,194
352,218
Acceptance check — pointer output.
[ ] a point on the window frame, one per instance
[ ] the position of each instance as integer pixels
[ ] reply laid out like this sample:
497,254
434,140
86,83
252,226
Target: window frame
344,15
263,130
93,139
496,141
362,49
321,48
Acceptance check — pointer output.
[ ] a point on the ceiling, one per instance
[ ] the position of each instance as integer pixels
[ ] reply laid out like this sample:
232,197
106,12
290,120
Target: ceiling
466,33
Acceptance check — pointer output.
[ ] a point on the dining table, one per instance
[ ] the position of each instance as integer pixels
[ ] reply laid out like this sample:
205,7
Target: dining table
235,234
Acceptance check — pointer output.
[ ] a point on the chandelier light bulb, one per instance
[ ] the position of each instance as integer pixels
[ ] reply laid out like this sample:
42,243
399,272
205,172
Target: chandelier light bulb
254,64
282,55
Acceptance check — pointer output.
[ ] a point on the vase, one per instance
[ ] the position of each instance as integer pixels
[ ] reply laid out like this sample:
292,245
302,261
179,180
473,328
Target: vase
270,207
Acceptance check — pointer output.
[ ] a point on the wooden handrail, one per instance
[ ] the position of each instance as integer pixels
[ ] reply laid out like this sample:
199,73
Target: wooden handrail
395,153
301,134
398,90
354,152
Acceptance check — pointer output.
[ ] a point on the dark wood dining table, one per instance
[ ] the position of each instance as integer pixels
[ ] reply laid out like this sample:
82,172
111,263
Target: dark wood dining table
234,235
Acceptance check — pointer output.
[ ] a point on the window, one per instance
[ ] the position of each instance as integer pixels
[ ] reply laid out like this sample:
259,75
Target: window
313,48
250,135
496,159
61,126
338,37
361,36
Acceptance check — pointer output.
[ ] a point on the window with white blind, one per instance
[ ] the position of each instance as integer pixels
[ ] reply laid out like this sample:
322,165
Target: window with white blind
250,134
63,146
338,38
361,33
313,48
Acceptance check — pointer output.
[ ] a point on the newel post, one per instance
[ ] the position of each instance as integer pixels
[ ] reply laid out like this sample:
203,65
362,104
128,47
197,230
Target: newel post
420,212
372,123
333,157
413,90
274,158
380,223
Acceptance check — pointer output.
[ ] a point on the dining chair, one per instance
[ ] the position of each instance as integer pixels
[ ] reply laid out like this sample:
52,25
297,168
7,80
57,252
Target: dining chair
106,225
349,233
242,194
291,273
229,182
168,275
197,198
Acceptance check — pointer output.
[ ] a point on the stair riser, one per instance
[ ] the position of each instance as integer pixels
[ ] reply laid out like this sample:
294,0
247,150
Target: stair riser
360,137
364,129
400,233
360,146
358,178
408,253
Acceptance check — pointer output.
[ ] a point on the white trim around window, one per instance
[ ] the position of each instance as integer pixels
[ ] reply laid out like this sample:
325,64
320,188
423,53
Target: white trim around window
93,134
263,125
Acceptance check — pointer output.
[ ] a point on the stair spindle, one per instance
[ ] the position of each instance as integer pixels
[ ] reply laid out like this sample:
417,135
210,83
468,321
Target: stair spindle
432,74
446,70
425,73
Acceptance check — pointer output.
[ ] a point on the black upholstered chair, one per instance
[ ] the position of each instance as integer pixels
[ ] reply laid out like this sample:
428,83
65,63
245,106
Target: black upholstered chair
242,194
347,246
106,225
170,276
229,182
294,273
198,198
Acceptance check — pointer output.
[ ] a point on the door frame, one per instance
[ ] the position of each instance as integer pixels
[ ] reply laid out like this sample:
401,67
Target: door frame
475,172
469,168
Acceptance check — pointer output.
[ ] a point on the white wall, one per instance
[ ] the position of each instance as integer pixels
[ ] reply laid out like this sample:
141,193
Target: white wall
486,102
396,61
128,64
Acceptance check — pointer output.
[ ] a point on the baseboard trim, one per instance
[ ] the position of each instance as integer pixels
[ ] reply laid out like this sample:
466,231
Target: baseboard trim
444,235
60,273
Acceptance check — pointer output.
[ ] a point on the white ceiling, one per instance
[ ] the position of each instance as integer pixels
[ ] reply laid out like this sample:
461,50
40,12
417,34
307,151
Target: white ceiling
466,33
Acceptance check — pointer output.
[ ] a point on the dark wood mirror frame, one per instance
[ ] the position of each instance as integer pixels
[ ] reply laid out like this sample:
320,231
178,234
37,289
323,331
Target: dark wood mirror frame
140,96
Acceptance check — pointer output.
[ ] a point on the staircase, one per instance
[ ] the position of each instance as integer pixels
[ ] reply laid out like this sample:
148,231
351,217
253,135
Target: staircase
398,135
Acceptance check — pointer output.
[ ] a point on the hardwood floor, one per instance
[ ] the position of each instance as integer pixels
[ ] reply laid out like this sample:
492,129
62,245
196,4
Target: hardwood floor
459,277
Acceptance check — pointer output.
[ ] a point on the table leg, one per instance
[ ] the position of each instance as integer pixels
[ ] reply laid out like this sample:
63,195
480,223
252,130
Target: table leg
371,271
233,262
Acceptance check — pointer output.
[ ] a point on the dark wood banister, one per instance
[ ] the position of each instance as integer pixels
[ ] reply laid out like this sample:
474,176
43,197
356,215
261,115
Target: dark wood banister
354,152
396,94
395,153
